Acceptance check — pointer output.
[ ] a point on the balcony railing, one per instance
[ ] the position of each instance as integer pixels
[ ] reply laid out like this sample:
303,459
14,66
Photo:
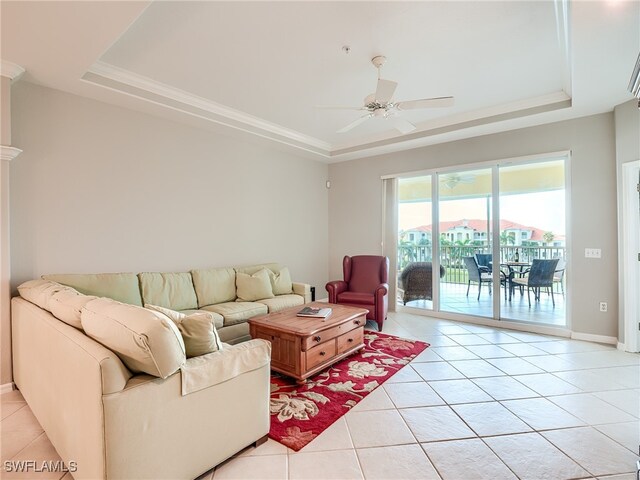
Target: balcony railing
451,256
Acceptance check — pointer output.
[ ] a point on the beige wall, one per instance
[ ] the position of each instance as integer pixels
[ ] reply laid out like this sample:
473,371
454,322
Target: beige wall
99,188
627,123
355,221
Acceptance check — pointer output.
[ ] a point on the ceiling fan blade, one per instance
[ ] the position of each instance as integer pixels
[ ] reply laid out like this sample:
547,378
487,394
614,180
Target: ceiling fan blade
385,90
426,103
354,124
338,107
402,125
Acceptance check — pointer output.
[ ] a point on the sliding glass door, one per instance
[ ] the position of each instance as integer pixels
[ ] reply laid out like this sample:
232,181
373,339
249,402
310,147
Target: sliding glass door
415,242
464,217
533,236
474,241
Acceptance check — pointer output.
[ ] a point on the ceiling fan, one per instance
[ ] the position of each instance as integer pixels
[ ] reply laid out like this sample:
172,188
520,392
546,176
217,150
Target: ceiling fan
379,104
451,180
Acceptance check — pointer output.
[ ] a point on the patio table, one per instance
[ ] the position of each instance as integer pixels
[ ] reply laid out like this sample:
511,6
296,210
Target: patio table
515,268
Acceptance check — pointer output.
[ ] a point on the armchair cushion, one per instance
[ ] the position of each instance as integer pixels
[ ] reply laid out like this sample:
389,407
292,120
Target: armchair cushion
356,297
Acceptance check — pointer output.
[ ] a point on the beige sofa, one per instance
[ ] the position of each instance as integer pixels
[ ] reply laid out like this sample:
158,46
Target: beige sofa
114,423
213,290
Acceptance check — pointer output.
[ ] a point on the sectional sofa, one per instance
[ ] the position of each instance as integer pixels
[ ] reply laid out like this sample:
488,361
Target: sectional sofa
111,419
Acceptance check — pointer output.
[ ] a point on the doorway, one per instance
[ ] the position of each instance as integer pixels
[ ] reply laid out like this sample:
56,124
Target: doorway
477,232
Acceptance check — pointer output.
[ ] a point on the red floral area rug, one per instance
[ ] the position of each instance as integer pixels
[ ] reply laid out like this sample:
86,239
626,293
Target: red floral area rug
299,413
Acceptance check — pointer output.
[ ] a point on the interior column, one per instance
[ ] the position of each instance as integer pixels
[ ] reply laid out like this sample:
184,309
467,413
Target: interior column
9,72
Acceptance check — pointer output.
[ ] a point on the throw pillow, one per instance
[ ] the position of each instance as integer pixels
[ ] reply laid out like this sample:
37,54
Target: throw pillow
198,330
281,282
253,287
146,341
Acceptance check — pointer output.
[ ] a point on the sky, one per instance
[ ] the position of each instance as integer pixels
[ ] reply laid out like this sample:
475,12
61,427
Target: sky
543,210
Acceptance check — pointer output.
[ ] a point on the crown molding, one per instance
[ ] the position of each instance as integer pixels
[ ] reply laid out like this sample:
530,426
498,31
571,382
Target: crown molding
104,74
9,153
11,70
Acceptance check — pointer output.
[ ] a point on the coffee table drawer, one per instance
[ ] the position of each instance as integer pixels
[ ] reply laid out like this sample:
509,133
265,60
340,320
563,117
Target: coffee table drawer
333,332
320,353
350,339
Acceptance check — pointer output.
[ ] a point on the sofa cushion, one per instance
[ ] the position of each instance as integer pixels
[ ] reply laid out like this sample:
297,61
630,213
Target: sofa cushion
215,285
253,287
122,287
356,297
67,305
281,282
168,290
234,334
251,269
198,330
280,302
146,341
217,318
40,292
237,312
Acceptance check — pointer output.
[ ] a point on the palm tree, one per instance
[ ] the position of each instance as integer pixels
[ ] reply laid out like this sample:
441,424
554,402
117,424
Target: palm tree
548,237
506,238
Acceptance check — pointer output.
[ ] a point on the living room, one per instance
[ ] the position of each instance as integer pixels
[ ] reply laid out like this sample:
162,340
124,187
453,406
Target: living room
164,137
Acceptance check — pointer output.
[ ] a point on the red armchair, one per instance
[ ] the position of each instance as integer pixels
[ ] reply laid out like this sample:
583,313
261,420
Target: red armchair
365,285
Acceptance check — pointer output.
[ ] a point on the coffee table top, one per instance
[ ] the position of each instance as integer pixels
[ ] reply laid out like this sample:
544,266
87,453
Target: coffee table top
287,321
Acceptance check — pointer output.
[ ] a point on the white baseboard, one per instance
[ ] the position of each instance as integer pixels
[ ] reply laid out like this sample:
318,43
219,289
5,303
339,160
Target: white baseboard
325,300
7,387
589,337
621,346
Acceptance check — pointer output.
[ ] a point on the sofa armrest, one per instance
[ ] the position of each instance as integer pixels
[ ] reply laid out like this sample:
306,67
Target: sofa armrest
335,288
64,376
302,289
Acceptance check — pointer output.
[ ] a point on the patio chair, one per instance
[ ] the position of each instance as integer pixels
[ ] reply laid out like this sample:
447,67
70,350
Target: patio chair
416,281
539,276
558,275
485,261
476,275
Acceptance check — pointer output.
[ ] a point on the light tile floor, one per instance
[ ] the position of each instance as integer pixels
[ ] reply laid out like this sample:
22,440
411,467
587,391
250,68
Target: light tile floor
481,403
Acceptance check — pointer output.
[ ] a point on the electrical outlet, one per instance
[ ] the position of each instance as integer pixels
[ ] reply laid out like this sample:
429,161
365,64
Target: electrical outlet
592,253
603,306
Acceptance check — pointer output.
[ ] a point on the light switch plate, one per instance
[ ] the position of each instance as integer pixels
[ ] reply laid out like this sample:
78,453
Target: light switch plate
592,253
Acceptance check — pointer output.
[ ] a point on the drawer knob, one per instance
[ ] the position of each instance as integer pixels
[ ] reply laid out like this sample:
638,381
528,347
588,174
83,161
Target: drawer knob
350,340
317,338
357,322
322,354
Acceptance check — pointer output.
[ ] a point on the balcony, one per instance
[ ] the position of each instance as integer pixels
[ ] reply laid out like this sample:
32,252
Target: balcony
453,286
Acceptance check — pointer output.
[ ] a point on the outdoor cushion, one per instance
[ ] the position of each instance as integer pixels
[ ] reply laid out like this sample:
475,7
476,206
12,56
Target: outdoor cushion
119,286
281,302
198,330
67,305
236,312
253,287
40,292
168,290
146,341
281,282
356,297
215,285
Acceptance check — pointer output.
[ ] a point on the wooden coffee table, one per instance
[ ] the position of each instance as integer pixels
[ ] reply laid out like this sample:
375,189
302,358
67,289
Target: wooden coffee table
303,346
